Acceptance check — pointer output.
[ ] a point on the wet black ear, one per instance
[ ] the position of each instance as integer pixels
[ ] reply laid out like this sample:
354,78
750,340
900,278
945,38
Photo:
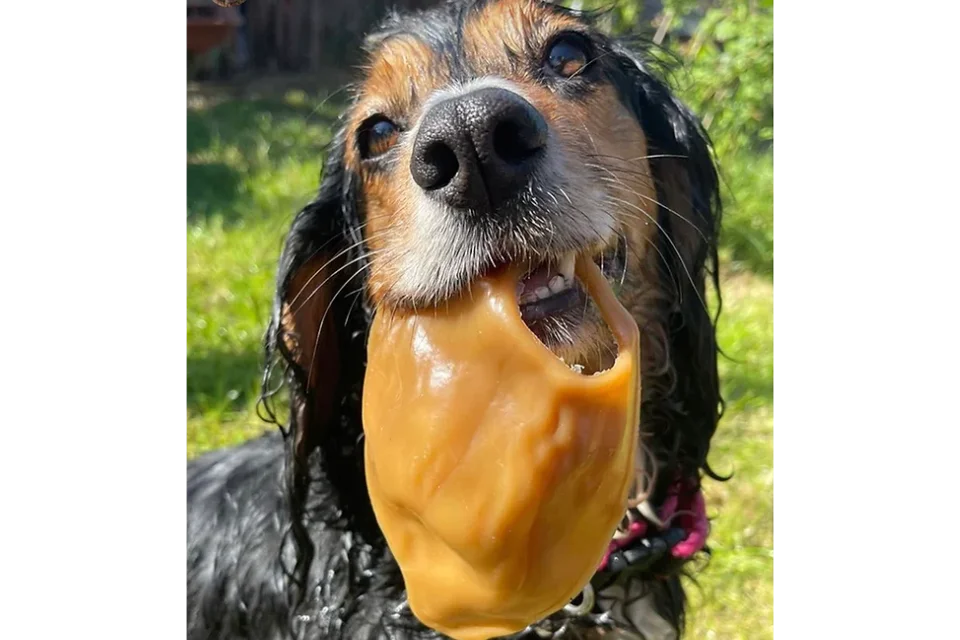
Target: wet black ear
316,337
316,313
688,216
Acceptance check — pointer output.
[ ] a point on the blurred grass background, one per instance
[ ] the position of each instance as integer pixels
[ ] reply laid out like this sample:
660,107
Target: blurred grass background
254,155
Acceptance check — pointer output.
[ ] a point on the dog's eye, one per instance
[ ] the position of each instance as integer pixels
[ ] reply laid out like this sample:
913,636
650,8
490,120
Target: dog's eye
567,55
377,135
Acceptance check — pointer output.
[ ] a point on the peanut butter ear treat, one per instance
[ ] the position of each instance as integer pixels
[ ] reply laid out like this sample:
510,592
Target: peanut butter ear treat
497,473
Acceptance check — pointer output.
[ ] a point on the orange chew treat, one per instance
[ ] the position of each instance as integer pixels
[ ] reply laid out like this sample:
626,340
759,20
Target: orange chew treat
497,474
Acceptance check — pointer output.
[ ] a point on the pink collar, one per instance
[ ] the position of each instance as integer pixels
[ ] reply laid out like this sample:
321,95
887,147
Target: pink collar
681,508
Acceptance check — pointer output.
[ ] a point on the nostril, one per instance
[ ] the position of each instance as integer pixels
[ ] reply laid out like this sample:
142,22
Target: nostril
479,150
515,143
440,165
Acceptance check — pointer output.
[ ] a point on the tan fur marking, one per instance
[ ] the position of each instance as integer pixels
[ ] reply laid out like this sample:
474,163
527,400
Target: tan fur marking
403,72
382,200
503,32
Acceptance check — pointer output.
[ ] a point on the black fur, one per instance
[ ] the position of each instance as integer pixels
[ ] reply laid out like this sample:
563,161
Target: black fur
687,407
282,541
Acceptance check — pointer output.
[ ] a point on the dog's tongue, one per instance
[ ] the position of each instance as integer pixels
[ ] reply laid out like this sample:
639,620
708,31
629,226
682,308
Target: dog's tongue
496,473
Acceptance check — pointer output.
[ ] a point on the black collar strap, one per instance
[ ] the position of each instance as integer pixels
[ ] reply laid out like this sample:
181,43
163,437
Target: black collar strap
640,554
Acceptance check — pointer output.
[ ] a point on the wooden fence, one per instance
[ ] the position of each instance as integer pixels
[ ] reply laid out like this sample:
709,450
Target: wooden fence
308,35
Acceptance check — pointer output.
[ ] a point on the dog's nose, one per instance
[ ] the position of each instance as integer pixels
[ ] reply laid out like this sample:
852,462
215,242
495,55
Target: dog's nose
478,150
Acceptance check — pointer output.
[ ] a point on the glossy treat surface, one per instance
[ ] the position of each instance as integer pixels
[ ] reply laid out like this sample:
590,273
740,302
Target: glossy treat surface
497,473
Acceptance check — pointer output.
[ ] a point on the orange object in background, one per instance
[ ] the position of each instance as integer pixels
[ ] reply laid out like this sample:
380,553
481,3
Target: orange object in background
497,474
210,26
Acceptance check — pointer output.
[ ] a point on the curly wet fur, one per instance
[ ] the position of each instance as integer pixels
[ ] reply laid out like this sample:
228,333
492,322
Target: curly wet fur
282,540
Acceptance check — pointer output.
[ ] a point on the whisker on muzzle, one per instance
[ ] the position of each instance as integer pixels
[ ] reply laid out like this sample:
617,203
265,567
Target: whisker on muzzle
673,244
645,178
323,319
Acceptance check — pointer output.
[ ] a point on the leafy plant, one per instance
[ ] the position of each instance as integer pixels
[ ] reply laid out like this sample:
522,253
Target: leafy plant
728,64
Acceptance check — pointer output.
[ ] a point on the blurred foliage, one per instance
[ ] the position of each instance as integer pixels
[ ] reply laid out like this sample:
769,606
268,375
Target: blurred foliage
725,51
728,70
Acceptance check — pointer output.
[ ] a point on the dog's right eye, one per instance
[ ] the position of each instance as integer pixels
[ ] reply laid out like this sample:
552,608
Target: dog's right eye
568,55
377,135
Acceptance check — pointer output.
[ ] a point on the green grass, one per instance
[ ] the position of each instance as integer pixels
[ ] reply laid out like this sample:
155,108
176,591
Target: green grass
747,234
251,163
735,594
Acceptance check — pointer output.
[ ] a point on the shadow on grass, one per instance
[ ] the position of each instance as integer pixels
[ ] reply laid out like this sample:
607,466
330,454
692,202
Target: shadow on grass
233,141
222,382
211,188
237,122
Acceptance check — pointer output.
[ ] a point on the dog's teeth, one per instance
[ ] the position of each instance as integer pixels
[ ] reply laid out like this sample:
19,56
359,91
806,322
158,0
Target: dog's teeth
646,510
520,288
568,266
542,293
557,284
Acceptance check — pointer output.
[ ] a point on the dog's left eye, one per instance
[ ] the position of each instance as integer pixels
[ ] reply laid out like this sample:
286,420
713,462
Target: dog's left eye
567,55
377,136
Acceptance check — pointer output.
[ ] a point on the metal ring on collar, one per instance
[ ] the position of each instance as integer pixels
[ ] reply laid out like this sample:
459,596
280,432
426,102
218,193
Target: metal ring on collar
586,604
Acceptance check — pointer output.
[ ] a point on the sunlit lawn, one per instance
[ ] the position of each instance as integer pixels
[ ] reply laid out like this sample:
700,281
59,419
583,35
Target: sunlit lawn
252,163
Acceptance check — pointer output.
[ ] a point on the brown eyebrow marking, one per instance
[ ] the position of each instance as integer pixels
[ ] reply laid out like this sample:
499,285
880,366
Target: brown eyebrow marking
403,69
382,198
501,36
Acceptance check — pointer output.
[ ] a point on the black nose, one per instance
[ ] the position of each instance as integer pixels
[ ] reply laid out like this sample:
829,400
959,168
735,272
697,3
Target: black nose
478,150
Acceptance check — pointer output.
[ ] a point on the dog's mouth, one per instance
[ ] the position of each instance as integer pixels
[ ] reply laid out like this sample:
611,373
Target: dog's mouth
553,303
555,307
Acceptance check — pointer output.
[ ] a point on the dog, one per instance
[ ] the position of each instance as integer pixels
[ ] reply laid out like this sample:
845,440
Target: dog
483,132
